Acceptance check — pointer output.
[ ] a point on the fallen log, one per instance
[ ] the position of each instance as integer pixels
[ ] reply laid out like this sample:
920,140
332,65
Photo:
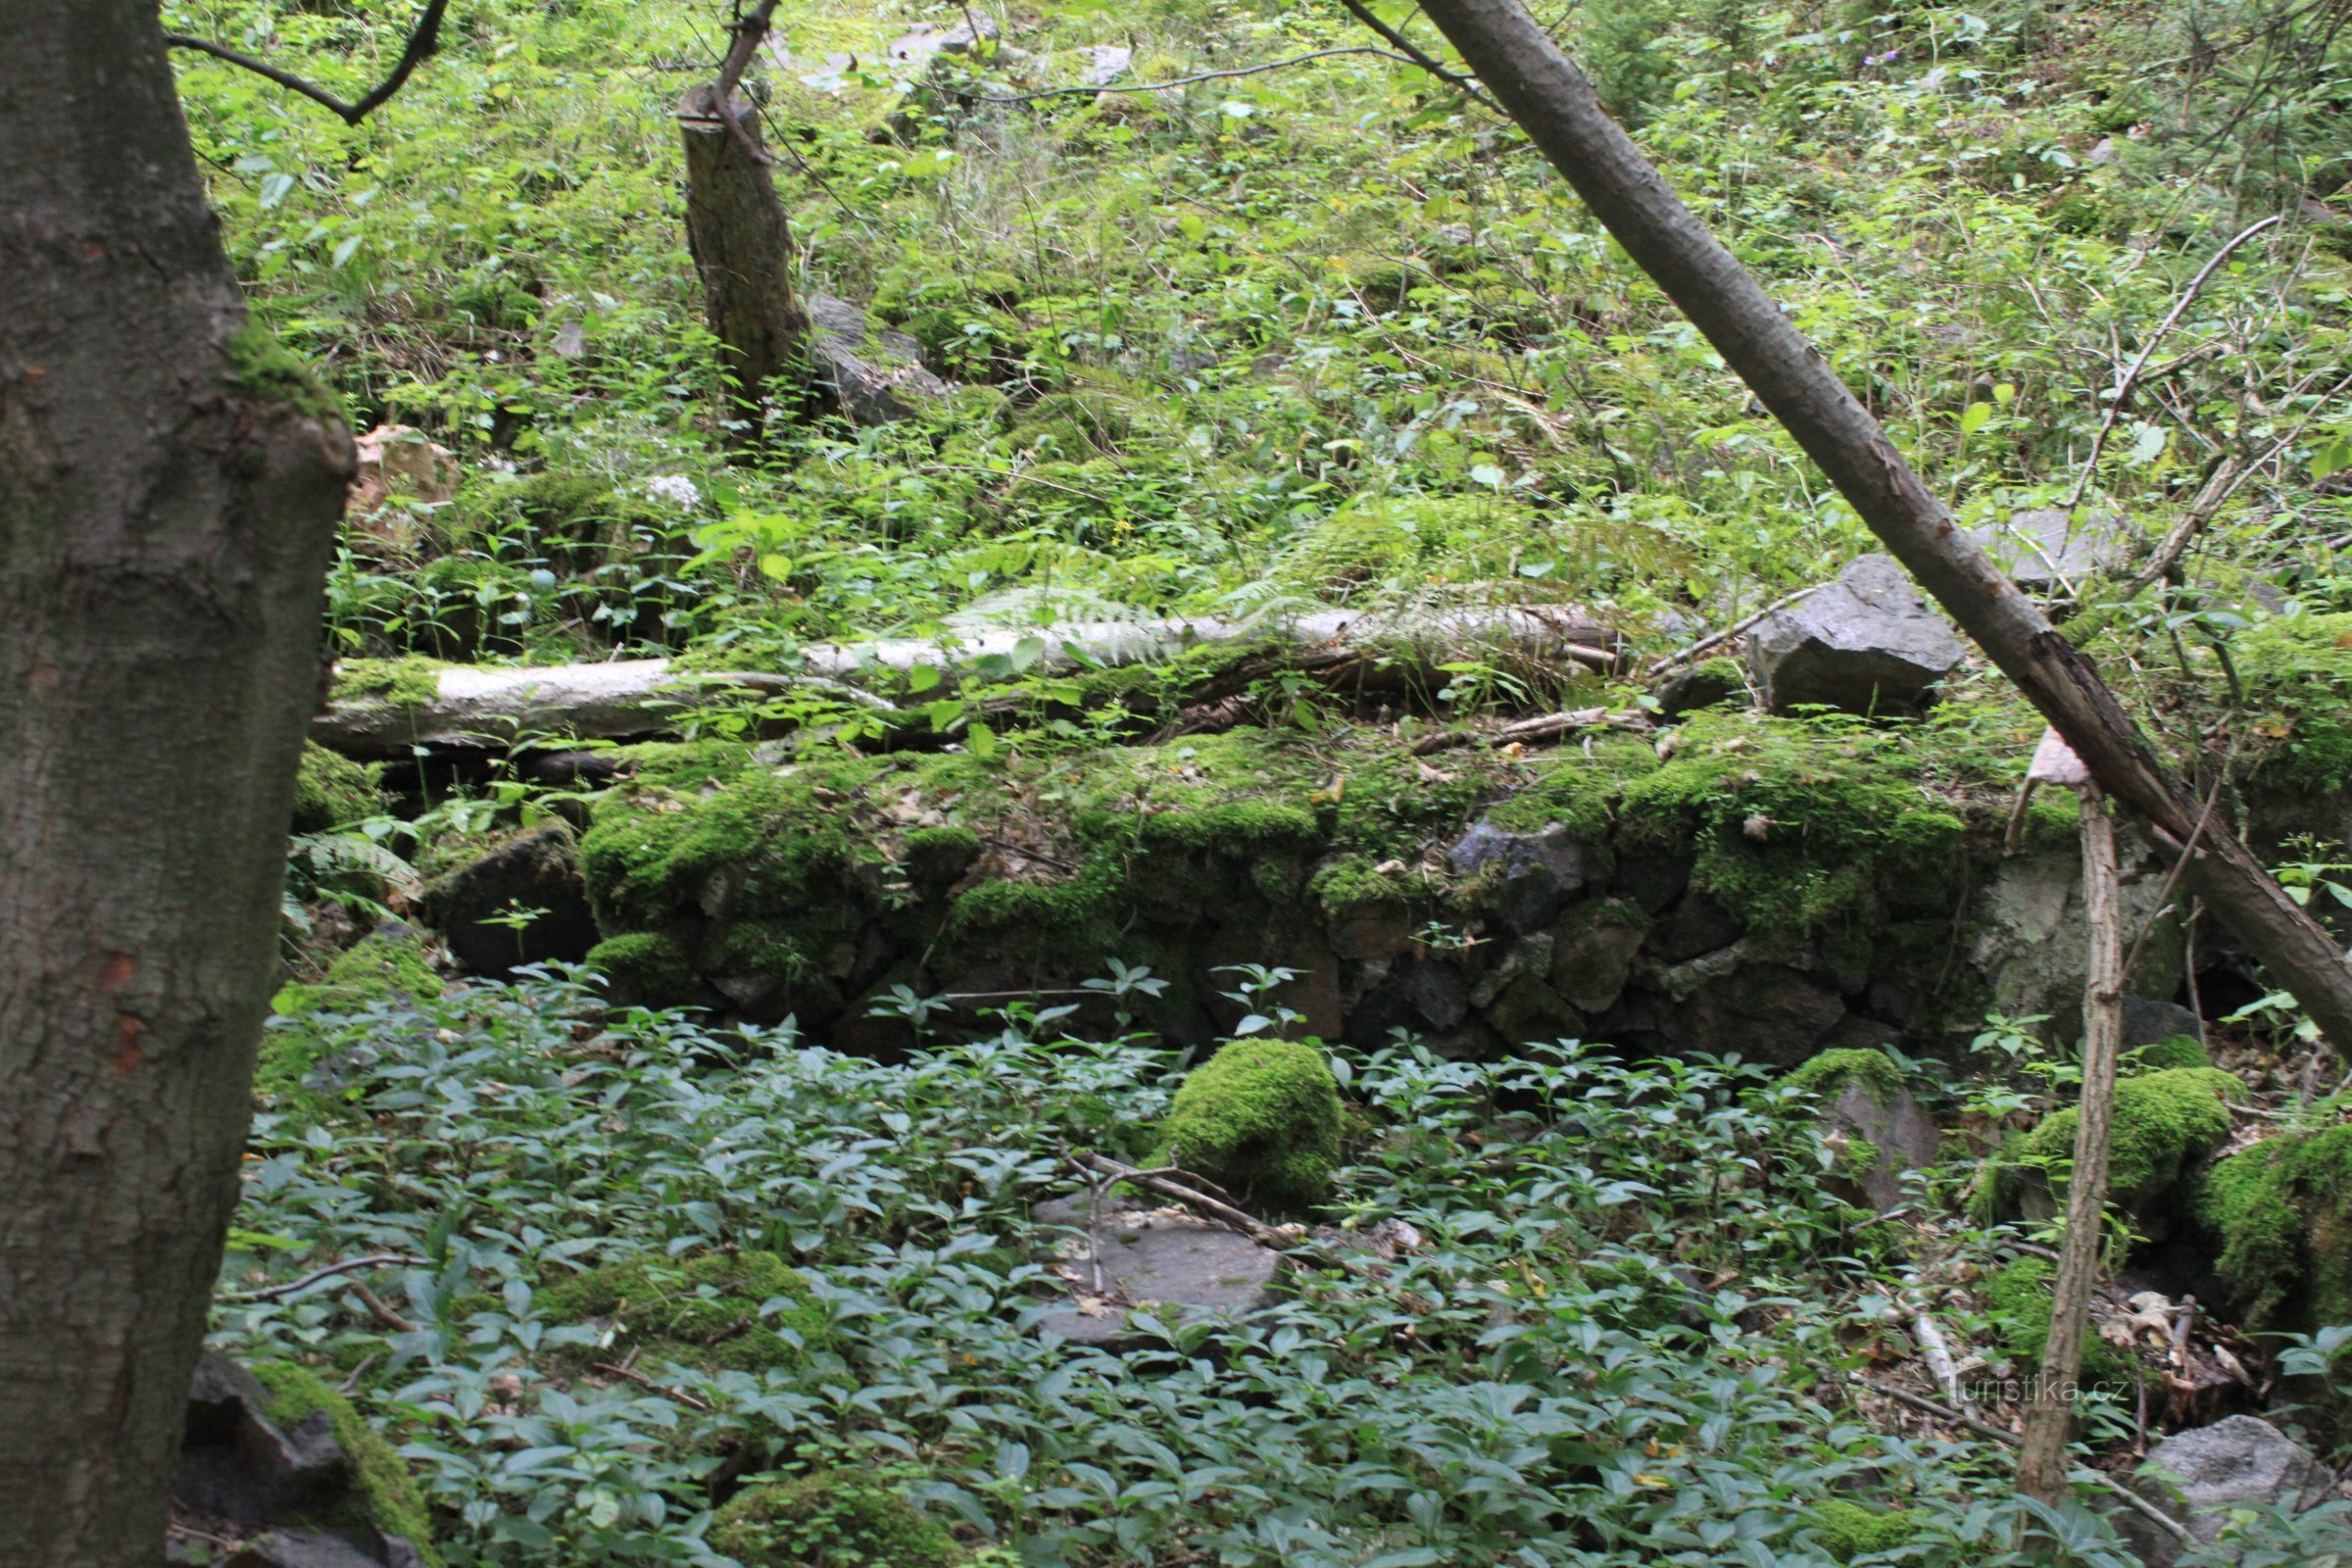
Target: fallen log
490,707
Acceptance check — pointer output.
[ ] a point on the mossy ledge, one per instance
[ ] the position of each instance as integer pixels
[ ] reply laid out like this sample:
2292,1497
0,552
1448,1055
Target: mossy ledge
810,889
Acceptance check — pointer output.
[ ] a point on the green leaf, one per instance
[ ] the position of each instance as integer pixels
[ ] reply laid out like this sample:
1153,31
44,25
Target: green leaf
921,677
1974,419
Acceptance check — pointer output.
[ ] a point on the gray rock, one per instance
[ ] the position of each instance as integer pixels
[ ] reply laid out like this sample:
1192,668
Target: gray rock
1695,689
2145,1022
1698,925
1652,878
1891,1122
1768,1012
241,1469
2198,1476
1593,953
1535,872
1106,63
1170,1263
2042,548
1866,643
302,1549
535,871
877,377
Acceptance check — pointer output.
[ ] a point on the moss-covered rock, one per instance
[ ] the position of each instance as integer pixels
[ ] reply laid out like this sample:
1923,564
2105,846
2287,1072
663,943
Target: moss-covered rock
332,791
1261,1119
297,1071
387,966
2164,1123
709,1310
2280,1215
2162,1056
383,1496
830,1519
1848,1530
1828,1074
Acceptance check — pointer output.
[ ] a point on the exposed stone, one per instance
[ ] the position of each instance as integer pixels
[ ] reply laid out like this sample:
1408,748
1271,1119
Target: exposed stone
1652,878
240,1471
2147,1021
1768,1012
2039,547
1698,925
1867,643
2026,934
1592,956
1702,687
877,376
1886,1119
1149,1259
395,460
1529,956
1535,873
1106,63
2200,1476
537,870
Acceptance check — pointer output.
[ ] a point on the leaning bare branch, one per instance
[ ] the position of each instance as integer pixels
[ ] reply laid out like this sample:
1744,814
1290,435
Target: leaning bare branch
1186,81
1419,55
2132,377
276,1292
424,40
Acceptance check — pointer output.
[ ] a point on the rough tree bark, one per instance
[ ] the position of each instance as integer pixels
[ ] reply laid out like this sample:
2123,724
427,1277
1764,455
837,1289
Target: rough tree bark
2042,1455
742,242
1553,103
169,489
742,251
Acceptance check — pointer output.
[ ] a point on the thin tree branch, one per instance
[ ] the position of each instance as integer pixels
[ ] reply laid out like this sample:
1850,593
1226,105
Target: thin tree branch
424,40
279,1292
1717,639
2123,391
1469,87
1185,81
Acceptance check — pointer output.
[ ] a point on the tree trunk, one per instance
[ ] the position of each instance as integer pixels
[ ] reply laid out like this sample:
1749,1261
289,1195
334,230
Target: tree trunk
1555,105
2041,1459
743,250
169,489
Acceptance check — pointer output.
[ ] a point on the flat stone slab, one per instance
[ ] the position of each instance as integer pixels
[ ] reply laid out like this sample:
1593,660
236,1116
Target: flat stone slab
1166,1261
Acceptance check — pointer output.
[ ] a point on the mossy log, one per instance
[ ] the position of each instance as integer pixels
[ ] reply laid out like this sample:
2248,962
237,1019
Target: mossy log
489,708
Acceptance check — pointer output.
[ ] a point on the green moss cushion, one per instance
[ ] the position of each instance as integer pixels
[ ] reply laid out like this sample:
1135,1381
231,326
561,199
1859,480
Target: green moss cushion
831,1519
1261,1119
705,1310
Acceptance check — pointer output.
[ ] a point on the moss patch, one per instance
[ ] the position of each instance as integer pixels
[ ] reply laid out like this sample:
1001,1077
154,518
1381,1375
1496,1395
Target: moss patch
705,1310
2281,1215
2018,1300
1261,1119
1848,1530
385,1495
262,365
2181,1051
2164,1122
1828,1074
831,1519
409,682
332,791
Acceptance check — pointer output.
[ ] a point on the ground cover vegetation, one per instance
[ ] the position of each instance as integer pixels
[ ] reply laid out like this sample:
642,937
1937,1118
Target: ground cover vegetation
673,1281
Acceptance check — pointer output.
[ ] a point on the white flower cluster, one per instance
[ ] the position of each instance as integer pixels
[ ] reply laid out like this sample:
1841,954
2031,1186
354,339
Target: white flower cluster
674,488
